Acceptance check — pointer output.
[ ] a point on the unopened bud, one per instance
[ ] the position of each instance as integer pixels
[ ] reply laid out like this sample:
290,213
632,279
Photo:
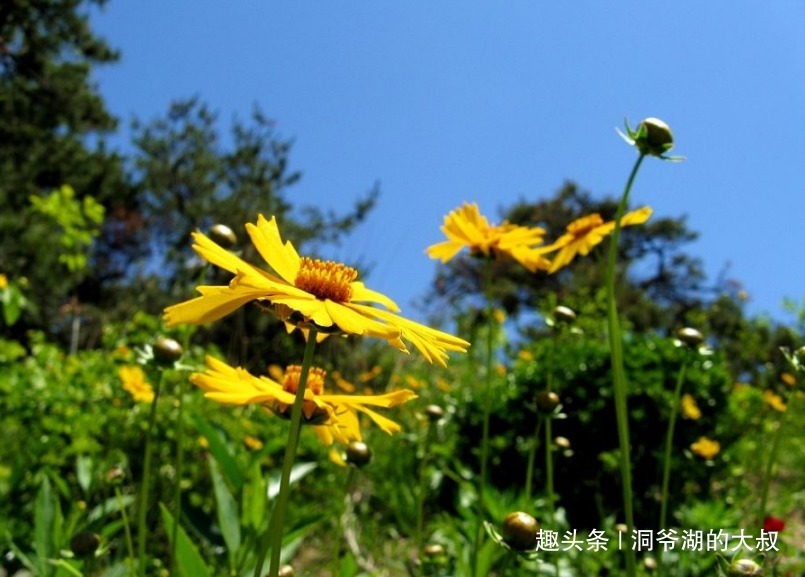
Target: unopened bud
223,235
167,351
286,571
744,567
432,550
547,401
654,137
562,442
690,337
434,413
85,544
358,453
520,531
563,314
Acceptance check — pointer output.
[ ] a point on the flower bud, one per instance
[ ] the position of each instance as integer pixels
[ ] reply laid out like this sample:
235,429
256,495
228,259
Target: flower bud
547,401
433,550
520,531
563,314
286,571
434,413
744,567
650,563
562,442
690,337
85,544
167,351
223,236
658,138
358,454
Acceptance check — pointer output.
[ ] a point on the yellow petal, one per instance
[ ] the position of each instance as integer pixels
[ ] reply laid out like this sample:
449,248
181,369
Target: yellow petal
215,303
361,293
266,238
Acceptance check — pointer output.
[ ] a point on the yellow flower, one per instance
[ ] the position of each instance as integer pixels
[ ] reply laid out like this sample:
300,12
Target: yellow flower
585,233
690,410
706,448
465,227
334,417
134,382
775,401
252,443
788,379
525,355
3,281
308,293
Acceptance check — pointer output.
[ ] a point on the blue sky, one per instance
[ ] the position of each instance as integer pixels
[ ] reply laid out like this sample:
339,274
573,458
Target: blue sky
446,102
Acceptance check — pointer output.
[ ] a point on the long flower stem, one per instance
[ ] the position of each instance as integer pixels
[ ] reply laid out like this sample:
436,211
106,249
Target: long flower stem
618,371
669,440
487,402
274,533
126,529
142,512
767,473
427,439
177,494
529,472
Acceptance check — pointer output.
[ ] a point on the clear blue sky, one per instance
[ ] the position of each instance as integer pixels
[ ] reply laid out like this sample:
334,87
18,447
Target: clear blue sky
445,102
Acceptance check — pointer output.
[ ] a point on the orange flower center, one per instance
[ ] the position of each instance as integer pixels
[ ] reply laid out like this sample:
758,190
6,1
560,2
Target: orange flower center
325,279
315,379
584,225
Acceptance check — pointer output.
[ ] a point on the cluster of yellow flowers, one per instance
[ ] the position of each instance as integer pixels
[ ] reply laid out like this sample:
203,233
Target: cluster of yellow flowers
465,227
327,297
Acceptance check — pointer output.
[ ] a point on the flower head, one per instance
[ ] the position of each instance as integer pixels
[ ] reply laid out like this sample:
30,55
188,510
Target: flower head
134,382
706,448
585,233
690,409
652,137
465,227
774,400
334,417
773,524
307,293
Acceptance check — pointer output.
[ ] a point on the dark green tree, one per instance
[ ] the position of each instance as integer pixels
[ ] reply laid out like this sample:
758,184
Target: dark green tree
52,128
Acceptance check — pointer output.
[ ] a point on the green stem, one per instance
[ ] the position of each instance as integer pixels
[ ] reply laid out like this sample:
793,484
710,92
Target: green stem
529,472
487,401
618,371
177,495
669,441
126,529
274,534
767,473
420,495
142,532
342,517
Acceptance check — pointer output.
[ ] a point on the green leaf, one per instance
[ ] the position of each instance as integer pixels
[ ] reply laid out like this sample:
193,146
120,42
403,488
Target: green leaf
83,471
188,560
255,498
44,517
218,448
227,511
298,471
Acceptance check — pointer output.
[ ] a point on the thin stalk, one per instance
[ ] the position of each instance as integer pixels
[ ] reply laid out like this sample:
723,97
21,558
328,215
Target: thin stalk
273,536
618,371
487,401
177,494
126,529
342,517
529,472
142,531
669,439
767,473
420,494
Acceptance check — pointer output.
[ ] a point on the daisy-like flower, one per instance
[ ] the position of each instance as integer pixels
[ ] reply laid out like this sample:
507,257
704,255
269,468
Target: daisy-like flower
465,227
706,448
585,233
334,417
134,382
306,292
